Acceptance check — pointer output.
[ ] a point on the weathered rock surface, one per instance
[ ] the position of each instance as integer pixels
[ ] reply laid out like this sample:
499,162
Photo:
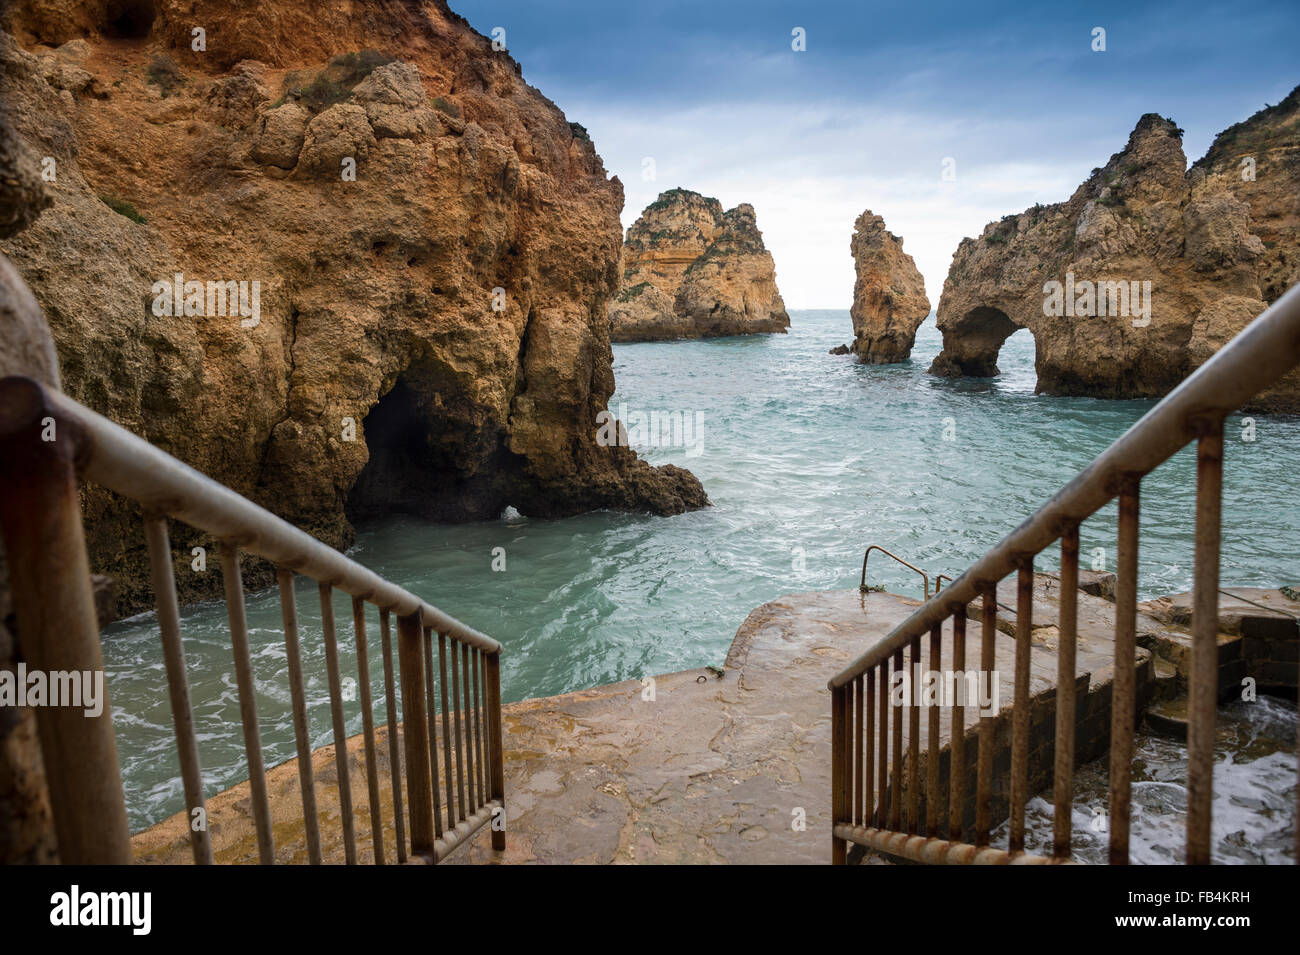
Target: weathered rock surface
691,270
889,300
431,334
1217,242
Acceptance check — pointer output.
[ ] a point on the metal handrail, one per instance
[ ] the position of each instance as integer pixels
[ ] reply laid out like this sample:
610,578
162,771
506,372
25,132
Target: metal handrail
48,442
862,586
1257,357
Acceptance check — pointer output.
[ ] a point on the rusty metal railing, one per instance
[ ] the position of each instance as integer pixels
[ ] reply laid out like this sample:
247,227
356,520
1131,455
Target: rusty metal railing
869,812
47,443
862,586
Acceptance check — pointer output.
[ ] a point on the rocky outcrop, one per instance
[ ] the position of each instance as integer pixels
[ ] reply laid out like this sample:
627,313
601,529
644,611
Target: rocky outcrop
1156,265
401,255
889,300
691,270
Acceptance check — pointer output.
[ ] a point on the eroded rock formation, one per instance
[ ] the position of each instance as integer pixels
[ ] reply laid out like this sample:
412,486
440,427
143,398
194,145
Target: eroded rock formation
434,247
1217,243
889,300
691,270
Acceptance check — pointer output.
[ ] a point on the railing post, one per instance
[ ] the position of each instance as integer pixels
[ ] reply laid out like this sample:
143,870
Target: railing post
839,798
1123,688
1204,682
1020,713
496,746
1067,655
40,518
415,733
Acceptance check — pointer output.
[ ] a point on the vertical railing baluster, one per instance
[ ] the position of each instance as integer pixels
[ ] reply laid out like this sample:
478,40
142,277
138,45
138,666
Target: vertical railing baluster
477,799
1066,654
178,684
896,784
234,587
839,776
859,728
461,814
415,734
446,728
882,779
984,758
497,775
868,758
301,733
932,743
957,747
913,740
1204,677
432,713
1020,714
1122,703
368,729
394,751
340,727
486,755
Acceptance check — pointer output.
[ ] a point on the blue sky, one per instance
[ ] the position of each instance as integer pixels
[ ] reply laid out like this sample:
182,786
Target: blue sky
884,92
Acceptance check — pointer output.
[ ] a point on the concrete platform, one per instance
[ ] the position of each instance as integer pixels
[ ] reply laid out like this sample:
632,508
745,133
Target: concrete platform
712,769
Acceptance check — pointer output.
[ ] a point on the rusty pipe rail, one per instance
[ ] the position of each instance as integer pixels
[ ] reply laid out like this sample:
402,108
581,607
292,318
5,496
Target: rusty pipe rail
1194,411
49,442
862,586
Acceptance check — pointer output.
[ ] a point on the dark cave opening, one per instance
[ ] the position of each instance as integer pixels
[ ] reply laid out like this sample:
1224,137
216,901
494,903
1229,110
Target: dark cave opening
427,456
129,19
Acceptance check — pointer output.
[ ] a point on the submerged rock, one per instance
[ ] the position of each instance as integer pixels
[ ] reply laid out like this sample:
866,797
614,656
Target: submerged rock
691,270
889,300
1144,272
424,247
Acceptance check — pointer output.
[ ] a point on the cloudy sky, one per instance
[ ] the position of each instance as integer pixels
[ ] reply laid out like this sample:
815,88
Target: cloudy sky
864,118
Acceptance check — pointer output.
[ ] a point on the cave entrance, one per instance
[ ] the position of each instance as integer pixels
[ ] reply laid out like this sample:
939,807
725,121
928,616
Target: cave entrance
129,19
429,454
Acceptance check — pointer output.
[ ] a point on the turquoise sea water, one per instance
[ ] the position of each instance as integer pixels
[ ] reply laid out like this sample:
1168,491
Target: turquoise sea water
807,458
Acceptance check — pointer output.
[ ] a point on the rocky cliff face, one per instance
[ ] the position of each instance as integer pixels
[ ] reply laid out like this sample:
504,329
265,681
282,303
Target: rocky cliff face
889,300
1156,265
691,270
399,258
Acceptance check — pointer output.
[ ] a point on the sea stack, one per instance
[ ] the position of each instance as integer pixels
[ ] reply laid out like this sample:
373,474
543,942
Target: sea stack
1145,272
691,270
889,300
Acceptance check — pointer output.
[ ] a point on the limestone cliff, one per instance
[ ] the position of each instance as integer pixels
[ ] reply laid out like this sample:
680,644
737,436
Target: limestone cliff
1156,265
401,257
889,300
691,270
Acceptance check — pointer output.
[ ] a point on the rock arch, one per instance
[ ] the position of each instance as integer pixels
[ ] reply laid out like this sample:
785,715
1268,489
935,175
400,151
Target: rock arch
972,343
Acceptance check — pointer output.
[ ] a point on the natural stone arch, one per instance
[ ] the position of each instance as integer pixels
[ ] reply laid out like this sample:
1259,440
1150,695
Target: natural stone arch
972,343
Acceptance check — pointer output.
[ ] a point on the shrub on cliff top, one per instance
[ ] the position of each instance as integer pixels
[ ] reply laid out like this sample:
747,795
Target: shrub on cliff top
446,106
123,208
333,84
163,73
